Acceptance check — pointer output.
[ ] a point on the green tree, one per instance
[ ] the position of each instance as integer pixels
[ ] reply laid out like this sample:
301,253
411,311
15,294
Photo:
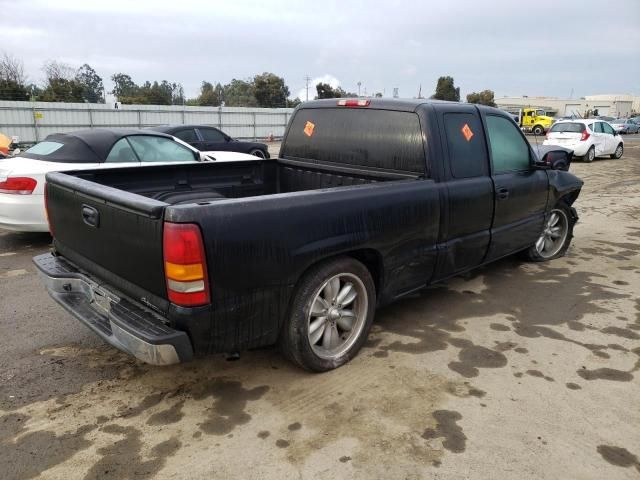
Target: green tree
124,88
485,97
61,84
270,90
327,91
209,95
91,82
12,79
446,90
239,93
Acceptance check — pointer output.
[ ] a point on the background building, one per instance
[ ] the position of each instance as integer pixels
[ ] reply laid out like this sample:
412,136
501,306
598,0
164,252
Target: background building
612,105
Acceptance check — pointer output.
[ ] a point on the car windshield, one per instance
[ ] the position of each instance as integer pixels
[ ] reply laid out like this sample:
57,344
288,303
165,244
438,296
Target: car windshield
571,127
618,121
540,113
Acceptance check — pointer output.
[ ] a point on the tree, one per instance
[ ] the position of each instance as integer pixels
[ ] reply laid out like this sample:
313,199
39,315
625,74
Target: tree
239,93
485,97
209,95
446,90
270,90
12,79
327,91
124,89
91,82
61,84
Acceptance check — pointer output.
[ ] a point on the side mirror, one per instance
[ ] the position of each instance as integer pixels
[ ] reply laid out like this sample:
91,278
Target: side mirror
556,160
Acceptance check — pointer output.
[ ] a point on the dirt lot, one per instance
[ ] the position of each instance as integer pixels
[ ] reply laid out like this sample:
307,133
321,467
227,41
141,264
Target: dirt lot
517,371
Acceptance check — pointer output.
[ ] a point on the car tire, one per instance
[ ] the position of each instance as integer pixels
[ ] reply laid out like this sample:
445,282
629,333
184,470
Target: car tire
618,153
321,334
256,152
560,221
590,156
538,130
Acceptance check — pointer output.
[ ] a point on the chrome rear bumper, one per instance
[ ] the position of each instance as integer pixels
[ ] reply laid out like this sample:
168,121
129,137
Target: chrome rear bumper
127,326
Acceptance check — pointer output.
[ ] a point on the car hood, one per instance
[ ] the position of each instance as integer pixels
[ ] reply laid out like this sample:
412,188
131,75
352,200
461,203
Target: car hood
221,156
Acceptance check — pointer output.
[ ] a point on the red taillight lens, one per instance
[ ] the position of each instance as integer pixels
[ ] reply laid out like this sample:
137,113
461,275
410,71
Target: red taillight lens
18,185
585,136
185,265
353,103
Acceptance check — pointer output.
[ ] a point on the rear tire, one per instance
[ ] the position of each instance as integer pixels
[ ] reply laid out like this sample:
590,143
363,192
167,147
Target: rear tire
556,235
538,130
330,315
618,153
590,156
257,153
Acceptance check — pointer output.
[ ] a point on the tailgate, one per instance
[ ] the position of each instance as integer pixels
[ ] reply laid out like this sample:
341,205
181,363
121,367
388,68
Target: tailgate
112,234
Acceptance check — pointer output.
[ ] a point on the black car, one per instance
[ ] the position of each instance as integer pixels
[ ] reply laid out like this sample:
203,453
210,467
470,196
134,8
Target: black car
206,138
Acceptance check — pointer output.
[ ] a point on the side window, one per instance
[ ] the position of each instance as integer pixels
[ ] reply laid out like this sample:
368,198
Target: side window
121,152
211,135
598,127
465,140
509,151
608,128
187,135
160,149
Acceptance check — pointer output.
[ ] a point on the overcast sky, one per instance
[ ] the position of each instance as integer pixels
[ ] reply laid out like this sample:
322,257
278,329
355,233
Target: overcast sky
512,47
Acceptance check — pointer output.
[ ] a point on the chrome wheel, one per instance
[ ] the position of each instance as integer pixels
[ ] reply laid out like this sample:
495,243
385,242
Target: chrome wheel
554,234
337,315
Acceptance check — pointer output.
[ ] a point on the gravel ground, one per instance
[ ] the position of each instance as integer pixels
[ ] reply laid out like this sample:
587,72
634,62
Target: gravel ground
528,371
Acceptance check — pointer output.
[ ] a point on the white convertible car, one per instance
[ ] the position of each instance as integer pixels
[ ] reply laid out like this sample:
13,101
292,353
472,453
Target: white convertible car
22,178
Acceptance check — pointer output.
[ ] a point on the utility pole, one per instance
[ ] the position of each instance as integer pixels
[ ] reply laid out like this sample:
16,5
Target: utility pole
307,79
359,83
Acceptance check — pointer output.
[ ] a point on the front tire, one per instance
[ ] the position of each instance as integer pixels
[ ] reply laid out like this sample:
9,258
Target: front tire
591,155
556,235
330,315
618,153
538,130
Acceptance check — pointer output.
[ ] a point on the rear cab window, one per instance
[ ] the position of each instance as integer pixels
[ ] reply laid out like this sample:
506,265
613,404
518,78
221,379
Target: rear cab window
357,137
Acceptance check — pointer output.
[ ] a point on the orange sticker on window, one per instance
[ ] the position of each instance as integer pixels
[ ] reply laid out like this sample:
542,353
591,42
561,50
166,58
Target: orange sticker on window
467,132
308,129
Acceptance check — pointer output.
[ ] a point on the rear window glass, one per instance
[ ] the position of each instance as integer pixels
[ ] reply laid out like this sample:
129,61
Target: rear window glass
364,137
45,148
568,127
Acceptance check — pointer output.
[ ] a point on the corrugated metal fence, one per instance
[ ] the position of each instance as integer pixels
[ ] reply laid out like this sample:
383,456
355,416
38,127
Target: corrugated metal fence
33,121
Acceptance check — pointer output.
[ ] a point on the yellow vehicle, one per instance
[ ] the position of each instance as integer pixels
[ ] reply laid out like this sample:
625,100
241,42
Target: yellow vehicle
533,120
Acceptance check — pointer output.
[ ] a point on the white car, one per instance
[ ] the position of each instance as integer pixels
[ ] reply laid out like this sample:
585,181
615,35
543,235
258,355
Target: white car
588,139
22,178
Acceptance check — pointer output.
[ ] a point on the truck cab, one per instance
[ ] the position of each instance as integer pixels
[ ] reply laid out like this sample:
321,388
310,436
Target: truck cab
534,120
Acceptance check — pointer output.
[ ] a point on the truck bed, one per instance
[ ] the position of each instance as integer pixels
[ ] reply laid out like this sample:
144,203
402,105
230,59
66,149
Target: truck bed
211,182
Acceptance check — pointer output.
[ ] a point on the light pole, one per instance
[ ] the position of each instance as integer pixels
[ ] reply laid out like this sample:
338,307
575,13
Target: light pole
359,83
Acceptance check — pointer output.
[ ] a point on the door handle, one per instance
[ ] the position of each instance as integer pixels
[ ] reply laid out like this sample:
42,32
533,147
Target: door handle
90,216
502,193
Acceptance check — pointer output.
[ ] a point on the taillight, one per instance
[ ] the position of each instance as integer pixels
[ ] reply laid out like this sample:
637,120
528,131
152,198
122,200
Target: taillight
18,185
546,135
46,207
585,135
185,265
353,103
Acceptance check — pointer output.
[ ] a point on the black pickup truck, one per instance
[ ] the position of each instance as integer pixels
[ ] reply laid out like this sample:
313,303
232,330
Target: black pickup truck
369,201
